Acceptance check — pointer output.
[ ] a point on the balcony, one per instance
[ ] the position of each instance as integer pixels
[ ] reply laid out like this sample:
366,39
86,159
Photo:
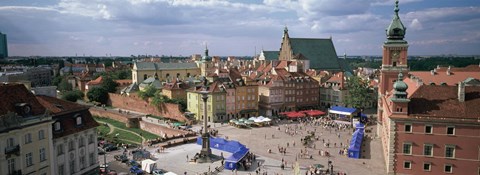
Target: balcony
12,150
15,172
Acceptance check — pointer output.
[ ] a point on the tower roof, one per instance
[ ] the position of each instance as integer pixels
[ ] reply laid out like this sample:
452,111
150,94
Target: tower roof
206,57
396,30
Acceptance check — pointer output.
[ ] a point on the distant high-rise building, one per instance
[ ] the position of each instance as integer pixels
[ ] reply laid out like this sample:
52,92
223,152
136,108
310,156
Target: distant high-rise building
3,46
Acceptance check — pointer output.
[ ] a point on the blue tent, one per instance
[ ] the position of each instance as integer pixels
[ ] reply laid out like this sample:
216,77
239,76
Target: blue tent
239,150
342,110
355,144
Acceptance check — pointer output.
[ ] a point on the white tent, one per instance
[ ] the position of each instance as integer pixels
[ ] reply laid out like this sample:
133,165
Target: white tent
148,165
169,173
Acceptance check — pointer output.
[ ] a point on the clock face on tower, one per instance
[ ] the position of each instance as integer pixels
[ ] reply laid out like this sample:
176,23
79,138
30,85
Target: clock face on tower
395,54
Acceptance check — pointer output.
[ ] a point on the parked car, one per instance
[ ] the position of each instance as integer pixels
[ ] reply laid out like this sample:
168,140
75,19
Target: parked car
136,170
134,163
121,157
159,172
109,147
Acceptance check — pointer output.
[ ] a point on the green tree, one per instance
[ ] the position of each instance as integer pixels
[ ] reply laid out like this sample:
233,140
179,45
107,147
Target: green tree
109,85
98,94
359,92
159,98
149,91
64,85
56,80
72,96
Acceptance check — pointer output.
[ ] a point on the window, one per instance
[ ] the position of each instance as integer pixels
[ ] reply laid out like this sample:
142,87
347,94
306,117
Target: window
407,165
57,126
427,166
28,138
428,150
41,134
11,166
450,130
71,145
91,139
43,156
428,129
10,142
81,142
408,127
72,166
407,148
91,158
82,162
60,149
448,168
28,159
78,120
450,151
61,169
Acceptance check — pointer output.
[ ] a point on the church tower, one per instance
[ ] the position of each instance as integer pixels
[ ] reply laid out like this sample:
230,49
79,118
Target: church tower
206,65
285,48
395,50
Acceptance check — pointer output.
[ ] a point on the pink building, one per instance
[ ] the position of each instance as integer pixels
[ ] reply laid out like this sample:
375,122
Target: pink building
431,128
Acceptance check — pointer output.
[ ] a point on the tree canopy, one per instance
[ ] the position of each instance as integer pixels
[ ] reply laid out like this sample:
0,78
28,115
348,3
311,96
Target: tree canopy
109,85
358,92
148,92
98,94
72,96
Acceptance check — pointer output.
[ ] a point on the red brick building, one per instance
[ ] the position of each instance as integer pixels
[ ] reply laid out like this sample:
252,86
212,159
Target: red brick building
429,128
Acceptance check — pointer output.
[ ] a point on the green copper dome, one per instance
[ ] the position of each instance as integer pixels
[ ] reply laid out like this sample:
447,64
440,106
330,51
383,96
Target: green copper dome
206,57
399,85
396,30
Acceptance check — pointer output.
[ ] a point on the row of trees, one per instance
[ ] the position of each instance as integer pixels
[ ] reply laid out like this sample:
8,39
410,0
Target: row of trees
158,98
419,64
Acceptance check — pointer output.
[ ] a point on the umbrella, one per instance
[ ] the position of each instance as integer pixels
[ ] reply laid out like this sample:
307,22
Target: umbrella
267,119
319,166
241,120
249,122
233,121
252,118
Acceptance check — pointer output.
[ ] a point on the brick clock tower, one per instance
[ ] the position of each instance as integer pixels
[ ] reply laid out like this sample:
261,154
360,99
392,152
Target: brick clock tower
394,60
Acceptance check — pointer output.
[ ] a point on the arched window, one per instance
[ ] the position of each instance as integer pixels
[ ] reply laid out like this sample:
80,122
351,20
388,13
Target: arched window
144,76
188,74
178,75
168,75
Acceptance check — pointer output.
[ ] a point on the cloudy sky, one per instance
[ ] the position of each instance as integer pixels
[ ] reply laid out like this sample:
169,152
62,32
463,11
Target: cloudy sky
233,27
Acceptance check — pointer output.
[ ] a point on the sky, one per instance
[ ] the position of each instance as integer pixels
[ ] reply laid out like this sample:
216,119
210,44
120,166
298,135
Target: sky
233,27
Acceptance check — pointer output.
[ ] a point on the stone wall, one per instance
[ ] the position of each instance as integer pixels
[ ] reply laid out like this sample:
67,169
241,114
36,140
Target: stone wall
134,103
131,122
160,130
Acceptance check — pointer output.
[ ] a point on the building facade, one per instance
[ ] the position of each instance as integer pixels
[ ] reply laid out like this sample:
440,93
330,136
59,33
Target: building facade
425,129
165,71
74,137
25,131
3,46
216,109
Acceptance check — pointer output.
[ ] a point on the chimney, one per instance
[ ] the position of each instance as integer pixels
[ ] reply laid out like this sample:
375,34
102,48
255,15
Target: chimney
432,72
461,91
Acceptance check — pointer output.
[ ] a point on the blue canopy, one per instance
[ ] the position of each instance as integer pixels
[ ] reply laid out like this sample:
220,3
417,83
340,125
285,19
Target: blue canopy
239,150
356,143
342,110
359,126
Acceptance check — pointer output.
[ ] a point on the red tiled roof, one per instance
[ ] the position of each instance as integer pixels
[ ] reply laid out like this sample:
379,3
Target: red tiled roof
57,106
64,112
12,94
456,75
442,101
126,81
176,85
96,81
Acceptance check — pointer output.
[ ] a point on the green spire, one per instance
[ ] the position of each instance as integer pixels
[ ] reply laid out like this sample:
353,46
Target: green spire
400,87
396,30
206,57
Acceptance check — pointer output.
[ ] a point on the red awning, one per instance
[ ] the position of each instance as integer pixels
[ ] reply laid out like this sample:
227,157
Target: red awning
313,112
295,115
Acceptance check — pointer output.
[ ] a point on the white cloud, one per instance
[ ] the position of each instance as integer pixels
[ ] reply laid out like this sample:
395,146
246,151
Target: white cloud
416,25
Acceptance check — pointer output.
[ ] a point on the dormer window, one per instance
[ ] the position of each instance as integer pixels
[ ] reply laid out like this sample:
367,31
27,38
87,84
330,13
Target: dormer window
57,126
78,120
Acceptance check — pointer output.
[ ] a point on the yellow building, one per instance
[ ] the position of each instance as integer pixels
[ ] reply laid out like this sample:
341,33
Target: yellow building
25,133
216,110
246,95
165,71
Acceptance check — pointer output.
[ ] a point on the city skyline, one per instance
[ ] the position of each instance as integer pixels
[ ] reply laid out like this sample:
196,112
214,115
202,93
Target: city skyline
168,27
